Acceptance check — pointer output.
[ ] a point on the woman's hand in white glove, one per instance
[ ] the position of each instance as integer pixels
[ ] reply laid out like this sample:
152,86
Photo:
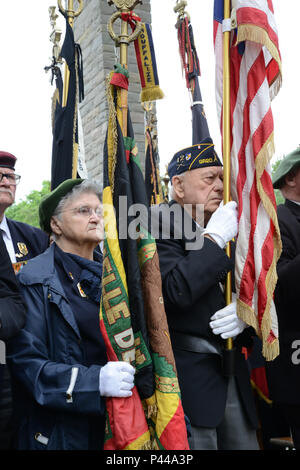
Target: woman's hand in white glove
116,379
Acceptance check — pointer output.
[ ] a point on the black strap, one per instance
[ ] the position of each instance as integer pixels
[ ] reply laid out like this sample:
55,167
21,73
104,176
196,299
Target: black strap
194,344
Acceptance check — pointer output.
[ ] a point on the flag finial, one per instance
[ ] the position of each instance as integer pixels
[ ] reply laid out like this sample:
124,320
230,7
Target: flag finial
180,9
55,35
70,12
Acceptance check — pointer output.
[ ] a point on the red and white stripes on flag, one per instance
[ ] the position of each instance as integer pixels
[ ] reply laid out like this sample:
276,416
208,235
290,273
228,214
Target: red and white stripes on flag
255,79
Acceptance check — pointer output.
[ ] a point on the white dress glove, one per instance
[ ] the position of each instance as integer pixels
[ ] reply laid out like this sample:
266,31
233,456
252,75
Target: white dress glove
116,379
223,224
226,323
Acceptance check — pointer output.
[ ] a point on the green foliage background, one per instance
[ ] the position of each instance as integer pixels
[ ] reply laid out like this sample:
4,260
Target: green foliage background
278,195
27,210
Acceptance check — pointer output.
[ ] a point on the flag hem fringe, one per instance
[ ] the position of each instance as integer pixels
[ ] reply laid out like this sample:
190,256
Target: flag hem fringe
269,350
112,128
262,159
260,393
245,312
248,32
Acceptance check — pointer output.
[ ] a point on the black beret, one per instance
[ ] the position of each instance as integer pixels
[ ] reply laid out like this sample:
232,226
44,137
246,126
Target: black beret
7,160
196,156
50,202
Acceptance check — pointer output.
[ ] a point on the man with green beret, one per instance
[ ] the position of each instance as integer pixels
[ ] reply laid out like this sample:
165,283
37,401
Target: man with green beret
284,371
286,170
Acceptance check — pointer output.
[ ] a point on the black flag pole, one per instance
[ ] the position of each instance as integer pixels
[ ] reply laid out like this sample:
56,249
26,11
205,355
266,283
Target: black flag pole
191,68
69,92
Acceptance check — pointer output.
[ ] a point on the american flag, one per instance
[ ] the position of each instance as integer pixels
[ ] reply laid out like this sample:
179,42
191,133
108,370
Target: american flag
255,79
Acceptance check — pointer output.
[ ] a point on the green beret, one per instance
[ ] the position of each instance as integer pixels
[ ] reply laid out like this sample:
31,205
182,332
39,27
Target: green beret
285,167
50,202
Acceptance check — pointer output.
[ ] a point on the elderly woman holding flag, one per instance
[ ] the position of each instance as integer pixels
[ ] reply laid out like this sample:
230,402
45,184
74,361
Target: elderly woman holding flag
58,361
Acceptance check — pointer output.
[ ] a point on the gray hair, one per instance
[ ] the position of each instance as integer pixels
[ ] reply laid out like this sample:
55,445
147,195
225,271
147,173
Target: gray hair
87,186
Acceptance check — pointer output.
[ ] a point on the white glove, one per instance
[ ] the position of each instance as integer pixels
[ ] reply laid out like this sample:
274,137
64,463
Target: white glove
223,224
116,379
226,323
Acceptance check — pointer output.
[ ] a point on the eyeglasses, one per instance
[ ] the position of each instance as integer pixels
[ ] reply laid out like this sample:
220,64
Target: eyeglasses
12,178
86,211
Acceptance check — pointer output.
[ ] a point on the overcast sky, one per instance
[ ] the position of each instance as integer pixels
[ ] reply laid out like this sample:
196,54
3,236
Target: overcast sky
25,117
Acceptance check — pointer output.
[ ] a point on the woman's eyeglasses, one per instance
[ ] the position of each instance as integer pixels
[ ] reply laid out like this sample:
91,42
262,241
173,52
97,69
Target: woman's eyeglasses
86,211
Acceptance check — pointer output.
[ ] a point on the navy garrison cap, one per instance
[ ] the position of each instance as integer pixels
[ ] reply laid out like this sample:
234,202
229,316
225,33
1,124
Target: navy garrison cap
196,156
7,160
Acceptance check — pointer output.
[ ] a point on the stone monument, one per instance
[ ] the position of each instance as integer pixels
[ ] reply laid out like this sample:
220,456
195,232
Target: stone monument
99,56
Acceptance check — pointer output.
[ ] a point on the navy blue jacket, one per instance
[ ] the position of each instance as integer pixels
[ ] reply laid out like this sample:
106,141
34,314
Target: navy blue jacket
284,371
12,306
192,294
28,241
52,413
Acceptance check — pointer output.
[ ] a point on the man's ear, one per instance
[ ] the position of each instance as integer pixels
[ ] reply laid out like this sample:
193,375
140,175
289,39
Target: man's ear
290,180
178,186
55,225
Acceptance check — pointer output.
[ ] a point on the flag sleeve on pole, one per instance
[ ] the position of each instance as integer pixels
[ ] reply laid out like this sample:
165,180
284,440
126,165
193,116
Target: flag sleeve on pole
65,128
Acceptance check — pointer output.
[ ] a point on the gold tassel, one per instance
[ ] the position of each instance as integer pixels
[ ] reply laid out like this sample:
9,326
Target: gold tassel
151,94
256,34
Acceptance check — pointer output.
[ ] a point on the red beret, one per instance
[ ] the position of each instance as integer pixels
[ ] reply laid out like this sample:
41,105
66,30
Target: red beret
7,160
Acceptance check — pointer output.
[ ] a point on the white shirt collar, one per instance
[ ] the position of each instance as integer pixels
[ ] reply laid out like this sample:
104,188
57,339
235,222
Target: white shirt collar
5,228
8,239
295,202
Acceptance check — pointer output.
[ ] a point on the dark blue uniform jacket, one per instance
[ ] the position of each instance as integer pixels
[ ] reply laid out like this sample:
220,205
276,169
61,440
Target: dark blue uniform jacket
192,294
284,371
57,395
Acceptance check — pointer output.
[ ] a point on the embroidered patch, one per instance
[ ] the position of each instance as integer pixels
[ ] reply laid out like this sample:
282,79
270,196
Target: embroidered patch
22,249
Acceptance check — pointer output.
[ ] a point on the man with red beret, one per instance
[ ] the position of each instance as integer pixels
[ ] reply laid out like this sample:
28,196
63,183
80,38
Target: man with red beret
22,242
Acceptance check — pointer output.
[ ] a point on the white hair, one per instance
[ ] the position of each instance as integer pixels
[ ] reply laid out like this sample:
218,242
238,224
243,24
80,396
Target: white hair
87,186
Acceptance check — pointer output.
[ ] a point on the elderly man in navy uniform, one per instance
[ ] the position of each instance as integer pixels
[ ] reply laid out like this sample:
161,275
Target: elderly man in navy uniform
12,318
22,242
284,372
220,408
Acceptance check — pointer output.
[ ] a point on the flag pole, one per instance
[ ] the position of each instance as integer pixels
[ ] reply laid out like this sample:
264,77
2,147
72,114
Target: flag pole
229,352
55,36
124,7
70,14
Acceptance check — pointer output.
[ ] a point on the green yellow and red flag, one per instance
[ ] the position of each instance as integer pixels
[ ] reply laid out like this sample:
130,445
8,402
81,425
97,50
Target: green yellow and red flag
132,316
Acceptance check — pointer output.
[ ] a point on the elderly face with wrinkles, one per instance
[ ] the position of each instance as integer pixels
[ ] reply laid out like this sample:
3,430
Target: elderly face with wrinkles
200,186
7,190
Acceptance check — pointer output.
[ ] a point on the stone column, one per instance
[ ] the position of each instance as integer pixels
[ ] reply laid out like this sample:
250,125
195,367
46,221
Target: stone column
99,57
